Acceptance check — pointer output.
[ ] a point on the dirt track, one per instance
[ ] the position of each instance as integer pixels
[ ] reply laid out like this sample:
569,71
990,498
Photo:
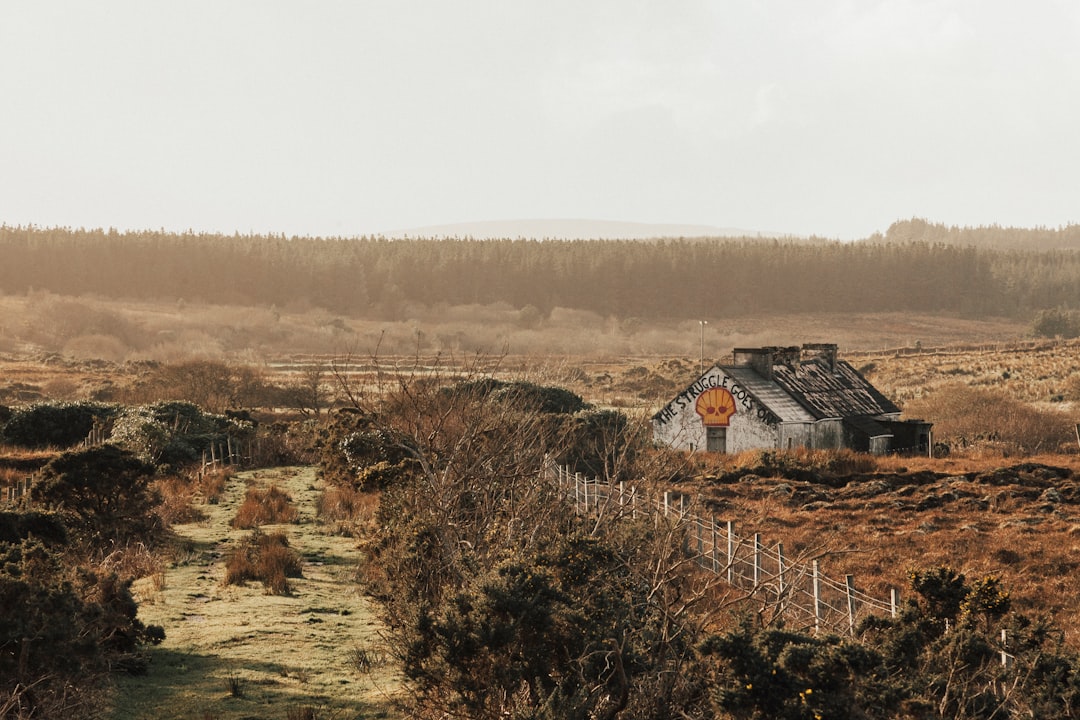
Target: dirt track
289,656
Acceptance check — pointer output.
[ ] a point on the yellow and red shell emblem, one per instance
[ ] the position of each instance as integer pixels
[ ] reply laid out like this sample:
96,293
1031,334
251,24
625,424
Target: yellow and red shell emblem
715,406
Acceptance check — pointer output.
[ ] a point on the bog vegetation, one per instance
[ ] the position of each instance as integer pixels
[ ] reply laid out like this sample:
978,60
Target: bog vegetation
497,598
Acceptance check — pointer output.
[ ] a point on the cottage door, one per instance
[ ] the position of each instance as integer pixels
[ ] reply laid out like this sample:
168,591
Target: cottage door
716,439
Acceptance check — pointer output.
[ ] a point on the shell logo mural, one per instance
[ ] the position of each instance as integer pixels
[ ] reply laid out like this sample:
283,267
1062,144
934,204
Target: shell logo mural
715,406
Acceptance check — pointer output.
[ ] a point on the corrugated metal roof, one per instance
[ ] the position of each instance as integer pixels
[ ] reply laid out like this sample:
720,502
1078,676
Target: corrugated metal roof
769,394
826,393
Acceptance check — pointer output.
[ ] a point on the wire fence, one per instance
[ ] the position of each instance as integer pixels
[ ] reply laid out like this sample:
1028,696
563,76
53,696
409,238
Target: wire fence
792,589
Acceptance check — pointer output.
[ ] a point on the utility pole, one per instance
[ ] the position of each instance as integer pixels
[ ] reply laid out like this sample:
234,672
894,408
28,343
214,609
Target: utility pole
701,356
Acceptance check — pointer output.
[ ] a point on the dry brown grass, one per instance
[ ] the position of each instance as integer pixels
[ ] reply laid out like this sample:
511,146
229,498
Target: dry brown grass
348,510
265,507
177,500
979,515
265,557
183,498
133,561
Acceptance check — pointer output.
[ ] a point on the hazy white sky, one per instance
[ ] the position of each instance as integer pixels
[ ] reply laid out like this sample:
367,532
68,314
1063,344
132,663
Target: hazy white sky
831,117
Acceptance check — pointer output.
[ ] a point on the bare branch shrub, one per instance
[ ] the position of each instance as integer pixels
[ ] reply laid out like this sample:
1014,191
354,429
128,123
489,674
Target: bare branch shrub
502,600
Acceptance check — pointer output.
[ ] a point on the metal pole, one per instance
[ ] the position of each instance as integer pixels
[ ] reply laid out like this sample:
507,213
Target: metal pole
701,356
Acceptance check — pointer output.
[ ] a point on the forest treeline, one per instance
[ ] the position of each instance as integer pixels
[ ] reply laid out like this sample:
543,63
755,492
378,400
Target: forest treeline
987,236
908,270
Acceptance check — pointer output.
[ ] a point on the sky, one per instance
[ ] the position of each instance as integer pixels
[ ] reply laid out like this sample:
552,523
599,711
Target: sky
832,118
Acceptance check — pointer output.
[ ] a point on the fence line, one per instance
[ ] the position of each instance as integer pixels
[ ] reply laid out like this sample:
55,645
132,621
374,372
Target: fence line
798,592
11,494
219,454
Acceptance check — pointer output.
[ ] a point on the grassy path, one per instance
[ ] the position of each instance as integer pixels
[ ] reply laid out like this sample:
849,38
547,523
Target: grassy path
291,657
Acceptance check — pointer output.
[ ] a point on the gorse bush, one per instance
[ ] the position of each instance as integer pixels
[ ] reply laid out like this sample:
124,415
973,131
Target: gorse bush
175,433
63,630
941,657
356,452
104,492
58,425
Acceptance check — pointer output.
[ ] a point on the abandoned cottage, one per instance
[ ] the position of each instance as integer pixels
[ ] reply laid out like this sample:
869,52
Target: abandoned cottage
786,397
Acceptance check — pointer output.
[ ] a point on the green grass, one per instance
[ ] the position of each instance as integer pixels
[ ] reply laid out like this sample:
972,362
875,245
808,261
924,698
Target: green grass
282,652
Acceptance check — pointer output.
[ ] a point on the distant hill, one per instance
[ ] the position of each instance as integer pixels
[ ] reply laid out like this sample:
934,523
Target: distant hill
571,229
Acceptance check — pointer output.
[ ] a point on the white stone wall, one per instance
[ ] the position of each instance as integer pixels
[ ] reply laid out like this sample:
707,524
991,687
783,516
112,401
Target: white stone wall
679,426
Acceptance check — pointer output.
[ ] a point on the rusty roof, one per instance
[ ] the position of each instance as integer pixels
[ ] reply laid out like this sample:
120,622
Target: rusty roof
831,391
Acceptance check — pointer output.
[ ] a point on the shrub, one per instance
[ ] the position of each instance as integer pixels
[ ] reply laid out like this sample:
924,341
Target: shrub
1056,322
62,631
541,398
600,442
55,424
104,491
175,433
46,527
355,452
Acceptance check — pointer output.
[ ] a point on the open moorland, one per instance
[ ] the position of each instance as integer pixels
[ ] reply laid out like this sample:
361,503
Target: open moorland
334,395
1000,501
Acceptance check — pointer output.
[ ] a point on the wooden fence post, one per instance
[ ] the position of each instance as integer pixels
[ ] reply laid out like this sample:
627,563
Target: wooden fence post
780,575
894,601
817,597
850,582
715,559
731,552
757,559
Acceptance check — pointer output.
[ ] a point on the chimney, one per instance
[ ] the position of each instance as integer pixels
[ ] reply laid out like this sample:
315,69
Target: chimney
764,360
760,359
825,351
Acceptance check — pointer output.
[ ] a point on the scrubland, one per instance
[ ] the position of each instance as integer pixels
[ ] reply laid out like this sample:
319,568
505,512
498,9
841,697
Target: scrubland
999,499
